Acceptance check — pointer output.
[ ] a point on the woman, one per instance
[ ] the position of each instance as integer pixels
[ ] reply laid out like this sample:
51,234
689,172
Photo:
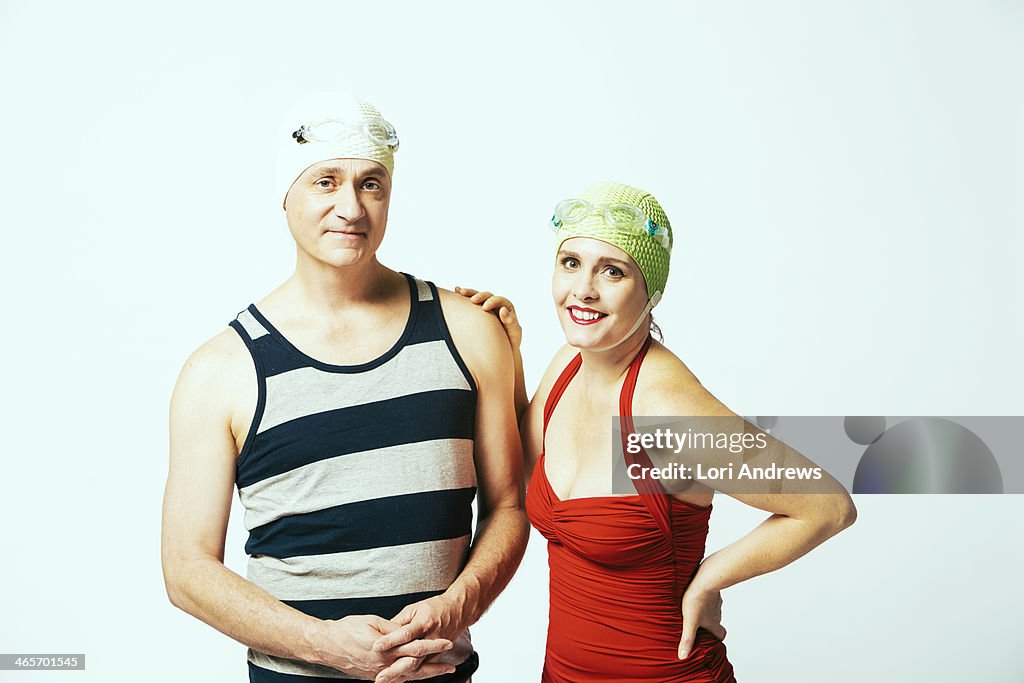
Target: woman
621,565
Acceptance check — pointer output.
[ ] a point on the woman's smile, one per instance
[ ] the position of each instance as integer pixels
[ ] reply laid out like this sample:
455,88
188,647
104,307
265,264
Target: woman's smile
585,316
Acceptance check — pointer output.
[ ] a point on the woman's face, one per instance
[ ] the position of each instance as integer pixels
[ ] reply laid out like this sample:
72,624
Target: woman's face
599,292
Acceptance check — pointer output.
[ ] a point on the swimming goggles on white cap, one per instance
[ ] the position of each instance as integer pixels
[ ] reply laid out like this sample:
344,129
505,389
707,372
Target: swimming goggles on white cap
377,131
625,217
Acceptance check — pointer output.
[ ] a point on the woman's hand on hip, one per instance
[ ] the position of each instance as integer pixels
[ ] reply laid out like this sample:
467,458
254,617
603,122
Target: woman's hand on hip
701,609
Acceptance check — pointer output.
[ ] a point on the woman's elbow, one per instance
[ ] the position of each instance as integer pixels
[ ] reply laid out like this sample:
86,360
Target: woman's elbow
833,514
845,513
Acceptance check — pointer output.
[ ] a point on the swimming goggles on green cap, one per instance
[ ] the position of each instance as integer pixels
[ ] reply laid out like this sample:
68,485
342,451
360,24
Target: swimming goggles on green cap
377,131
624,217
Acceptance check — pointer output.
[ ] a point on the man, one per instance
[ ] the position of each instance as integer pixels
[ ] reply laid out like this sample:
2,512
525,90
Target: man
358,411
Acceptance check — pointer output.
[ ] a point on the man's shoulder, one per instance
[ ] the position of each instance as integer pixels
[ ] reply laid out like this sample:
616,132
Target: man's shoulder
464,317
224,347
478,335
218,360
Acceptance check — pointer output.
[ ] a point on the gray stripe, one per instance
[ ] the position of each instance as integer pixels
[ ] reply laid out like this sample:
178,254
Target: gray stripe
372,573
252,326
305,391
291,666
423,290
379,473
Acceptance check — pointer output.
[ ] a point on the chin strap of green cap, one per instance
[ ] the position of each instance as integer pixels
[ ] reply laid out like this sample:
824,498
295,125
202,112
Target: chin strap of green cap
651,303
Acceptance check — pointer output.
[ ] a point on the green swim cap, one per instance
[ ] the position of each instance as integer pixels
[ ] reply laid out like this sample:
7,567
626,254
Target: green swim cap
649,251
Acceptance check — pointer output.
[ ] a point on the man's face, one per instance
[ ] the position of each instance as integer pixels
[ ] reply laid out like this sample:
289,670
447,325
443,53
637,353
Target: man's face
338,209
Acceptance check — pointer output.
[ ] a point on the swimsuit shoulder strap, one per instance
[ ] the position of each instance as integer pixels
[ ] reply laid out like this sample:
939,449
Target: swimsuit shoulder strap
558,389
650,490
629,386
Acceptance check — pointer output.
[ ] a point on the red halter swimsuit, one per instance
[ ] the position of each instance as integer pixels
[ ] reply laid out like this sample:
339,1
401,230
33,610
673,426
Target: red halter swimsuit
619,566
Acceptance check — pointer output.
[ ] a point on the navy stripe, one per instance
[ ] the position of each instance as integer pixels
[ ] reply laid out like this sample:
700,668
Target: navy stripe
386,607
376,523
446,333
462,673
276,357
426,329
425,416
260,675
261,389
410,324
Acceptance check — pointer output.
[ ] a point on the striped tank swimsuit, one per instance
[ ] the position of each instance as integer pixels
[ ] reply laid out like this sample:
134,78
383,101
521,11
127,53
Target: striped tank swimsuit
358,480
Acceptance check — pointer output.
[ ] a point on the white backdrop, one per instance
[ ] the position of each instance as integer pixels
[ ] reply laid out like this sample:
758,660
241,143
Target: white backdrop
845,181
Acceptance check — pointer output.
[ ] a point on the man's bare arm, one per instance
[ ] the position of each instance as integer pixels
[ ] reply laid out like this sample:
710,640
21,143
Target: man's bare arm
217,379
502,529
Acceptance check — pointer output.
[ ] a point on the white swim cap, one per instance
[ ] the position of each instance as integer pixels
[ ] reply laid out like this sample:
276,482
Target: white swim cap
331,126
